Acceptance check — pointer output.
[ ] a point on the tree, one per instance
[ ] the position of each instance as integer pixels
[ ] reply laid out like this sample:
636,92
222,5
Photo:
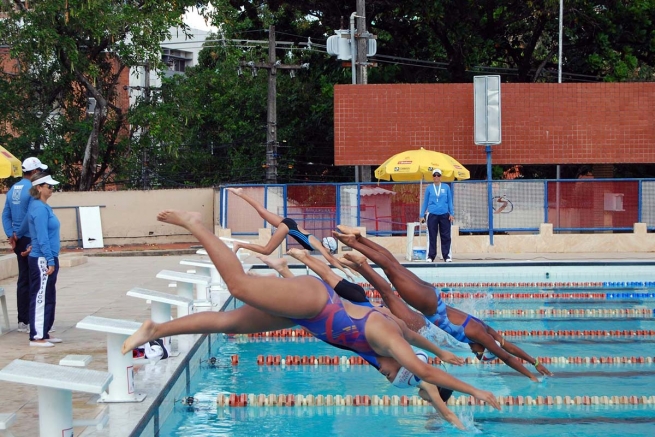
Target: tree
67,54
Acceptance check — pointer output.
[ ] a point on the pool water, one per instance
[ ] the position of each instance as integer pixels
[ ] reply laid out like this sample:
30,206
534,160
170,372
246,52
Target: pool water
205,417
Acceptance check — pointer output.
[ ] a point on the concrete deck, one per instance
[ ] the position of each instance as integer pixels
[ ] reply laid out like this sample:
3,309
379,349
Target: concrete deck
98,288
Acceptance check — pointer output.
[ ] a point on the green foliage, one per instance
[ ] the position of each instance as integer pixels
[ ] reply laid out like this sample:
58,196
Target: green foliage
208,126
64,52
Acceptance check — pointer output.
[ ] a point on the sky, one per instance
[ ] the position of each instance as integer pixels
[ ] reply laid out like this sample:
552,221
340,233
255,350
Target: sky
195,21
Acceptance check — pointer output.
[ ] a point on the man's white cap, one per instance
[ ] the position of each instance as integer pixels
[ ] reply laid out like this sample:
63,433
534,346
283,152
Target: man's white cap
33,163
45,180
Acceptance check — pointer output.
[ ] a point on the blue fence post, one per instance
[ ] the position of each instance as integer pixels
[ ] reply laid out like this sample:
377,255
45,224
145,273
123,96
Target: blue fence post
639,205
546,202
337,207
490,211
359,204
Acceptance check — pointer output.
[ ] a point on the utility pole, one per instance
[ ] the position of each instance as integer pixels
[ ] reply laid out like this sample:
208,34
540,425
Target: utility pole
273,65
361,65
144,159
362,39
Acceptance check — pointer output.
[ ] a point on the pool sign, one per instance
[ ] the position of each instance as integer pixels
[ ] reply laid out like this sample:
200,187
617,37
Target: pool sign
486,92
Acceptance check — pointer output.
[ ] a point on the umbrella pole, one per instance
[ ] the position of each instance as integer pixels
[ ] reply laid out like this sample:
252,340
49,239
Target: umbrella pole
420,215
420,198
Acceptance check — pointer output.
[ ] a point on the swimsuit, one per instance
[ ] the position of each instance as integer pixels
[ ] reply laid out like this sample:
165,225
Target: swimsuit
302,239
440,318
335,326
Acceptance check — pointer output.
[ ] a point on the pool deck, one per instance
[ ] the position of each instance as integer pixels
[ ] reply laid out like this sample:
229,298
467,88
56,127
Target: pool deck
98,287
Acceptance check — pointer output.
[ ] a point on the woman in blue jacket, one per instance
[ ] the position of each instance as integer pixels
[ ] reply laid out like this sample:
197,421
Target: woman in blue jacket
43,261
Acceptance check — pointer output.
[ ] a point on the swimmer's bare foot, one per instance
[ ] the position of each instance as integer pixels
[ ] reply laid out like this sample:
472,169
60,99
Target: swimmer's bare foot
347,263
145,333
235,247
235,191
298,254
277,264
356,258
260,275
347,239
184,219
349,230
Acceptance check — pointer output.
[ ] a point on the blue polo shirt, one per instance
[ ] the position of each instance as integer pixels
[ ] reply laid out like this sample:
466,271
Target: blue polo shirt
438,200
16,204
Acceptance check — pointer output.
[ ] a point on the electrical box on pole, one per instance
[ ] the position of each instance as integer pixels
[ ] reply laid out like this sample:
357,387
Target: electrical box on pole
339,45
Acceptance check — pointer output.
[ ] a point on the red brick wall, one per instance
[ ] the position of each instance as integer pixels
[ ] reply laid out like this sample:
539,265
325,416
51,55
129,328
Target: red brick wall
541,123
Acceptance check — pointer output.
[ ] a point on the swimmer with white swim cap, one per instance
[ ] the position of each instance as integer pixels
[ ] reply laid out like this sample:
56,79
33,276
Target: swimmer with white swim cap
397,375
425,298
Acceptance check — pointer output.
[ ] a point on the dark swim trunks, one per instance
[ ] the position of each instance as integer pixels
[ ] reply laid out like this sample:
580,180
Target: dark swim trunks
302,239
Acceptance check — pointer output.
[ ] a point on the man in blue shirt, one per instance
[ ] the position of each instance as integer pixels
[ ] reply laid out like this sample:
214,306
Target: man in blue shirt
438,207
18,199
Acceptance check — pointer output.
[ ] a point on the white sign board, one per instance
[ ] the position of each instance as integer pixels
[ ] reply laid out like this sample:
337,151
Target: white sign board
91,227
486,91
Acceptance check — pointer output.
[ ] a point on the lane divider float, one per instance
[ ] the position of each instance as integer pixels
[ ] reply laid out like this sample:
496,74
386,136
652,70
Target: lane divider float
309,400
569,333
325,360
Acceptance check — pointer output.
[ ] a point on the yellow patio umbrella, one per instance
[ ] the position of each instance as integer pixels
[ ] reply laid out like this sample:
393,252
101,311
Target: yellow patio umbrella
415,165
418,165
9,164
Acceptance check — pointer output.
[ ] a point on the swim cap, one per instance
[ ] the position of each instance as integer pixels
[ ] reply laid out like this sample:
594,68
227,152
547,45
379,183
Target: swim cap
330,244
406,379
488,355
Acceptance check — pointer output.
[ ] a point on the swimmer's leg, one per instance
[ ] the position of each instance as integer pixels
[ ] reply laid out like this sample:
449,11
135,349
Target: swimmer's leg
243,320
420,296
298,297
398,308
322,270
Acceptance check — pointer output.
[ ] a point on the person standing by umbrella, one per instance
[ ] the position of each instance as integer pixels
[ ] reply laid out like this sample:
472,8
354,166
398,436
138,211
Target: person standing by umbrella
18,199
438,210
43,260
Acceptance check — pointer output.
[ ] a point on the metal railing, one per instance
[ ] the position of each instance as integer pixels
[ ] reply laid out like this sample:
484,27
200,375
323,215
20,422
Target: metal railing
519,206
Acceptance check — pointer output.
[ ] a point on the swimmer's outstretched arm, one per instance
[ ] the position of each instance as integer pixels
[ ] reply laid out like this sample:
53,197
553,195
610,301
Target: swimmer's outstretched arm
518,352
416,339
386,339
489,342
334,262
431,394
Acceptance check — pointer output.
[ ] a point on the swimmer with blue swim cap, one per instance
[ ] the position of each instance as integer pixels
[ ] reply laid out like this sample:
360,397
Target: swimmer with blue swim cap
483,340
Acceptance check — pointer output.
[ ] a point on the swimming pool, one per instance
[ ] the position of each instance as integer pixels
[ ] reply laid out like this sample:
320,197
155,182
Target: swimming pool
597,341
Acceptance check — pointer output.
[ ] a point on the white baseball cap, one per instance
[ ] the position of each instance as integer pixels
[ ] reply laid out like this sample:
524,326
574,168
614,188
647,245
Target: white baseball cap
33,163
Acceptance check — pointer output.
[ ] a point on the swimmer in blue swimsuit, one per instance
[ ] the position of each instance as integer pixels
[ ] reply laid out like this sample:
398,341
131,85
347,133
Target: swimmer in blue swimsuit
272,303
484,341
285,226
